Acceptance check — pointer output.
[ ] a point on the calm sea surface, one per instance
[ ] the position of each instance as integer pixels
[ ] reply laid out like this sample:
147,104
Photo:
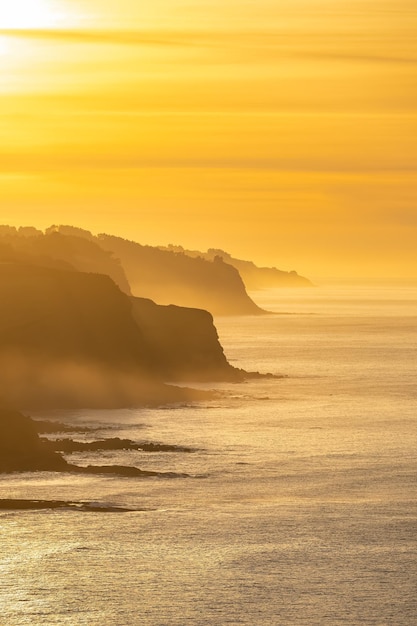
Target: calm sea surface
301,506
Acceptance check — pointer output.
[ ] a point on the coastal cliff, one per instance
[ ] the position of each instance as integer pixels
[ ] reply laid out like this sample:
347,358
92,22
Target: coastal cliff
69,338
253,276
183,342
256,277
166,276
175,278
61,247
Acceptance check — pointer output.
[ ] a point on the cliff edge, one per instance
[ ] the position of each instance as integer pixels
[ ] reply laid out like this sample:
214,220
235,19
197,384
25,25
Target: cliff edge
253,276
183,342
71,339
175,278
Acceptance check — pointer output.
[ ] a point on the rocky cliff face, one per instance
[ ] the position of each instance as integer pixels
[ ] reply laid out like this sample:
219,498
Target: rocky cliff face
256,277
68,339
175,278
72,314
73,339
183,342
253,276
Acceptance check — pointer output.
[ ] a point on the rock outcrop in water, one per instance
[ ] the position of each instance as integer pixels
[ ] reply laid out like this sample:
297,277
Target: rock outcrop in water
22,450
112,443
10,504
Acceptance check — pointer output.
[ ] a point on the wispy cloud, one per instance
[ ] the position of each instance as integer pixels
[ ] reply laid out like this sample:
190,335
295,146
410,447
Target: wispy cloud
246,45
28,164
81,36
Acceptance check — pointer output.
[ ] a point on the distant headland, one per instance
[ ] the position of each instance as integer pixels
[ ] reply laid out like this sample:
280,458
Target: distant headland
214,280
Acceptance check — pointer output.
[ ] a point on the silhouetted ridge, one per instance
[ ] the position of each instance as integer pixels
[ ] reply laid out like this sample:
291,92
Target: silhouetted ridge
166,275
62,247
253,276
175,278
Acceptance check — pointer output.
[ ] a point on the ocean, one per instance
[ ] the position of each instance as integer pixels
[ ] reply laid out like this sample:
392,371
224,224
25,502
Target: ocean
300,506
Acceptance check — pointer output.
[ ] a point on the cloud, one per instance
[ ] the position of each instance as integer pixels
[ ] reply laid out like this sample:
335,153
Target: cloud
246,45
81,36
42,164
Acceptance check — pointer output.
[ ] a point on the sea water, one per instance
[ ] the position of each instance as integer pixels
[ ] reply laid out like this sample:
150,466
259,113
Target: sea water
300,507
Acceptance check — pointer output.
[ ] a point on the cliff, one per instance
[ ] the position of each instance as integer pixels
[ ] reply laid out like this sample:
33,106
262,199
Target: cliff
69,339
183,342
74,339
63,247
175,278
253,276
67,313
163,275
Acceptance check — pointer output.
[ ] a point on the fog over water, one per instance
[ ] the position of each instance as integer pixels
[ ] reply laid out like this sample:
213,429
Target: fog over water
300,507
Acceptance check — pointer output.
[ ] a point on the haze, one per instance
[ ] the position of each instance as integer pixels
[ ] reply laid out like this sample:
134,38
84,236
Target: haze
283,132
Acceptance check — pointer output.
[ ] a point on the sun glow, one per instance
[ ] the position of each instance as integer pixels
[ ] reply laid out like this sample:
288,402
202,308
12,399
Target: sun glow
30,14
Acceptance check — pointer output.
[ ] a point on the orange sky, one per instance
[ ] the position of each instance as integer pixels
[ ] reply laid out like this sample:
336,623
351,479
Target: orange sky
283,131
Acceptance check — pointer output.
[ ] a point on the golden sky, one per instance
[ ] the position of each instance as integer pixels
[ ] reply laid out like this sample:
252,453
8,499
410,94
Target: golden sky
283,131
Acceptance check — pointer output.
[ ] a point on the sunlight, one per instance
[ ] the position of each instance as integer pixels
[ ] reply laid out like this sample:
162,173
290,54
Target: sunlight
3,46
30,14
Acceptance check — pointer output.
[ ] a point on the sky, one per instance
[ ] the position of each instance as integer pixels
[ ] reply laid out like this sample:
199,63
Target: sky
283,131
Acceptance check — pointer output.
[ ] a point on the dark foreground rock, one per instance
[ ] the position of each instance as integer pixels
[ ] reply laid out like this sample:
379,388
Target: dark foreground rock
123,470
113,443
8,504
22,450
49,427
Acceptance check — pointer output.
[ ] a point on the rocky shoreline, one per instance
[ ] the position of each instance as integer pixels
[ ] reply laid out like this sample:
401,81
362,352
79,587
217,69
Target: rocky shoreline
12,504
22,449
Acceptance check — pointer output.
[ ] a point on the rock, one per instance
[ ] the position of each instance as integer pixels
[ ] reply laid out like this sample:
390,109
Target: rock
69,339
9,504
112,443
21,449
183,343
253,276
169,277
